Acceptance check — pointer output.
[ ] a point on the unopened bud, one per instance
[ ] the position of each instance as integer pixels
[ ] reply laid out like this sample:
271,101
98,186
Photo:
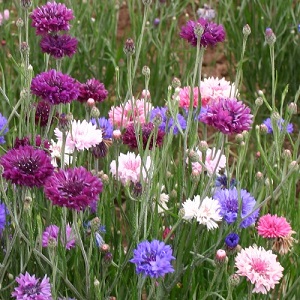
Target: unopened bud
117,134
221,257
287,154
259,176
194,156
234,280
146,71
176,83
10,276
95,223
24,47
173,194
263,129
195,176
91,102
145,94
293,166
292,108
25,4
20,23
107,259
259,101
239,138
147,2
203,146
275,116
104,248
129,47
198,30
246,30
270,36
96,283
27,203
95,113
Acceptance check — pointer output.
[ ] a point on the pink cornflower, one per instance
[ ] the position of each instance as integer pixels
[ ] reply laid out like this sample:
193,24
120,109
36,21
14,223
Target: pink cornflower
130,168
82,135
132,112
260,267
273,227
184,97
214,160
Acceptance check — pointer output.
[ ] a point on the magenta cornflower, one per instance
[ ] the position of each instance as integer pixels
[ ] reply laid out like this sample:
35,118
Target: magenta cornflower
26,166
51,17
228,115
94,89
73,188
273,227
59,46
55,87
32,288
51,234
147,131
153,259
260,267
212,34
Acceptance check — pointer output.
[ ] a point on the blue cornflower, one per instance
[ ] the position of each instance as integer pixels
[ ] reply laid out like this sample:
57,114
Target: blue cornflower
289,127
153,259
232,240
221,182
229,202
3,122
105,126
166,120
3,214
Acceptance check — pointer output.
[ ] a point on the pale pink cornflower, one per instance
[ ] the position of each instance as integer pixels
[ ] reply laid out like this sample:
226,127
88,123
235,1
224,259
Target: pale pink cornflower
133,111
6,14
129,168
260,267
212,89
214,161
82,135
273,227
55,151
185,96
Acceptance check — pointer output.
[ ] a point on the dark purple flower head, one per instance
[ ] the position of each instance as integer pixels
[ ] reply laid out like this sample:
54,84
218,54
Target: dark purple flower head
26,166
55,87
94,89
153,259
3,214
59,46
230,116
25,141
52,17
281,126
166,121
232,240
3,122
32,288
147,131
212,34
73,188
229,202
42,113
222,182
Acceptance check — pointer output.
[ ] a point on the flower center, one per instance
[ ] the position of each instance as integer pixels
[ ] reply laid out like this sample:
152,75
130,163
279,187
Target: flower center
259,266
31,289
72,189
232,205
27,165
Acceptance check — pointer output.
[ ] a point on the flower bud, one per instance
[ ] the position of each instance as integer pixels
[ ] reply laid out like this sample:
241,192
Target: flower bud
176,83
239,137
246,30
95,113
104,248
270,36
263,129
145,94
194,156
221,257
117,134
198,30
27,203
259,176
195,176
173,194
129,47
91,102
292,108
24,47
96,282
203,146
275,116
147,2
95,223
25,4
146,71
287,154
19,23
234,280
259,101
294,166
107,259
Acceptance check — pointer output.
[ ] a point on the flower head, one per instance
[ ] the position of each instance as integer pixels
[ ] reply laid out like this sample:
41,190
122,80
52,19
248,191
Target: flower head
42,113
30,288
153,259
212,34
206,12
222,182
51,18
281,125
229,202
185,97
55,151
59,46
52,232
55,87
272,226
228,115
3,123
105,126
132,111
82,135
130,168
260,267
146,132
3,214
73,188
26,166
94,89
232,240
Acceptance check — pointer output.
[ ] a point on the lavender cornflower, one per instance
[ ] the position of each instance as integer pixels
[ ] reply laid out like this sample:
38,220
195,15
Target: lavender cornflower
229,202
3,214
206,13
55,87
32,288
166,122
228,115
222,182
213,33
94,89
153,259
3,122
51,18
281,126
59,46
26,166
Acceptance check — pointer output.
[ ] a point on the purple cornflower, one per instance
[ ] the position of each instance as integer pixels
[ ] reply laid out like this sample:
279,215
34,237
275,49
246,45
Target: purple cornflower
55,87
3,122
73,188
281,126
212,34
42,112
59,46
232,240
51,234
94,89
153,259
31,288
166,121
229,115
222,182
229,202
3,214
50,18
26,166
25,141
